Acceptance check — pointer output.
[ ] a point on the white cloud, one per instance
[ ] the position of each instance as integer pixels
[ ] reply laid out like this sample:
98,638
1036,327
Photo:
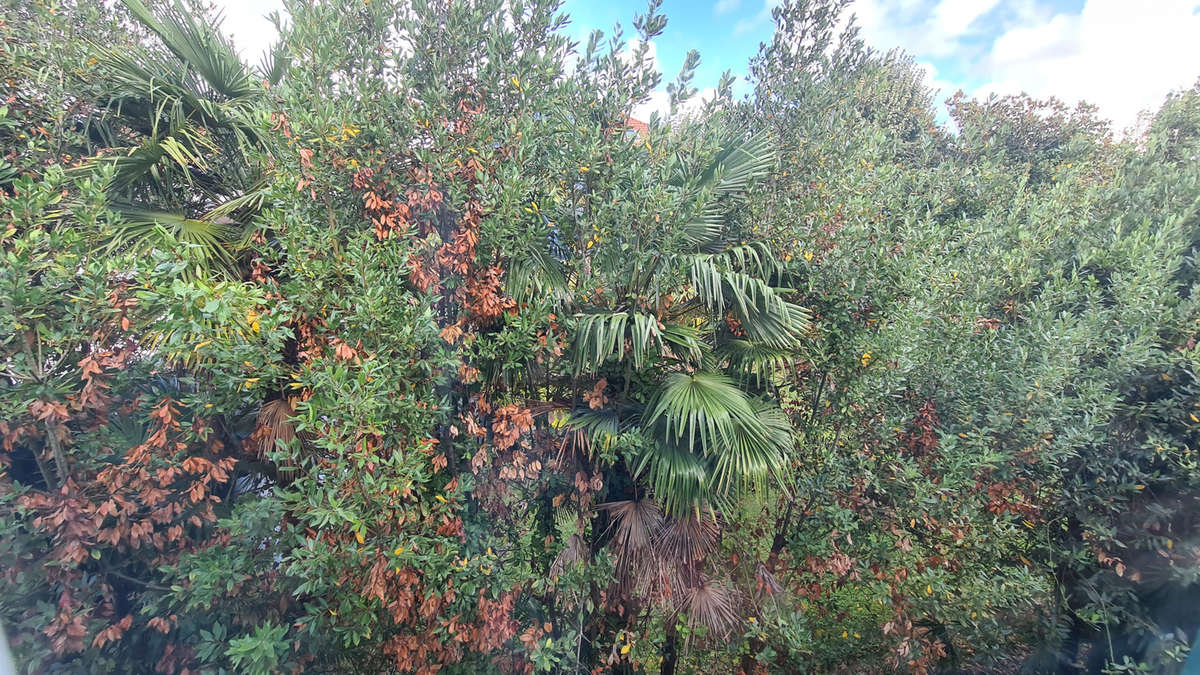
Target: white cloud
726,6
660,102
953,18
246,22
1123,57
629,53
921,29
760,18
943,89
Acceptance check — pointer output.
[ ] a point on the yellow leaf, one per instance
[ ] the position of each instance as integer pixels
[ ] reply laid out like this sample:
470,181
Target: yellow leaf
625,649
440,498
928,590
359,536
398,551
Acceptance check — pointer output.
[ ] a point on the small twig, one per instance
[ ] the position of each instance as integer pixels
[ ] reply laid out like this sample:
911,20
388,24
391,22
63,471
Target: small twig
147,584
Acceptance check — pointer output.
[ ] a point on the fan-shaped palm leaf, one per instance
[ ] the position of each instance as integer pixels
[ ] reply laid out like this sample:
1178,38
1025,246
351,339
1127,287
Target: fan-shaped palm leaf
689,538
684,343
635,525
599,427
753,454
200,45
748,360
601,336
535,274
763,313
181,115
711,603
142,228
740,161
679,478
704,408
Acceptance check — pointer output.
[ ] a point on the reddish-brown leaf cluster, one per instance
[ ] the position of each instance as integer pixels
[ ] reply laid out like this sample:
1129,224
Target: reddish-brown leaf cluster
151,498
510,423
921,438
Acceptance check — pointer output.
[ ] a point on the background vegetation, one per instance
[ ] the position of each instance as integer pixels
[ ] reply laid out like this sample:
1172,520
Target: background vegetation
402,352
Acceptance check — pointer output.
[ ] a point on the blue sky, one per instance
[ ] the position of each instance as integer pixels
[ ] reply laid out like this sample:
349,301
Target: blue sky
1123,55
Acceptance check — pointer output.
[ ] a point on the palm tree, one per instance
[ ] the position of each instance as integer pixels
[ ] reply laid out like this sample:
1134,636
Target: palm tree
704,343
177,132
689,343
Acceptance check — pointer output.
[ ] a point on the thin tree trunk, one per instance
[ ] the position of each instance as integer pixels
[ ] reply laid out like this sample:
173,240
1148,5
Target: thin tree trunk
670,651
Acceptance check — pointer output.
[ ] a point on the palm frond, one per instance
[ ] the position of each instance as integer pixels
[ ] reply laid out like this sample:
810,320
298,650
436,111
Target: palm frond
273,437
635,525
599,427
712,604
140,228
739,162
249,201
689,538
200,45
756,361
536,274
684,343
678,478
575,552
275,63
707,280
755,258
754,454
703,408
706,225
601,336
274,428
763,313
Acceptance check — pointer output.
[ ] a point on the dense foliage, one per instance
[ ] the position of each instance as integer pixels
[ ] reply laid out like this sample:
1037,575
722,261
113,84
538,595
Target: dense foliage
407,351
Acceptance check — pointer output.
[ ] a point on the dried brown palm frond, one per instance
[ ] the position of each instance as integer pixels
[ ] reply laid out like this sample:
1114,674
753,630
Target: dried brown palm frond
712,604
273,427
575,551
273,430
766,583
573,441
688,539
539,408
665,580
635,523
